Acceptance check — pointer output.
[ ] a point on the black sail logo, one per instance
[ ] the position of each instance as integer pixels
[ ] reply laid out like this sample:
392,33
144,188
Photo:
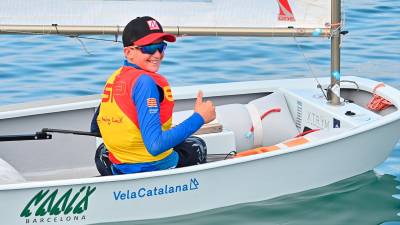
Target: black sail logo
55,203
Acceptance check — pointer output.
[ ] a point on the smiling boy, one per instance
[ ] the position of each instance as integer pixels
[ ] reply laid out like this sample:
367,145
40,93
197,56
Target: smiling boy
135,113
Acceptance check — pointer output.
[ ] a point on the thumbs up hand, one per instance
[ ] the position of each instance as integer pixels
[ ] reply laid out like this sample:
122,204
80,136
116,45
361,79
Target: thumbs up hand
205,109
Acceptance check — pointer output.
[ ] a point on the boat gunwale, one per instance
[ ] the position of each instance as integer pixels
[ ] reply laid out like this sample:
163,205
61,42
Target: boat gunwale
217,164
180,93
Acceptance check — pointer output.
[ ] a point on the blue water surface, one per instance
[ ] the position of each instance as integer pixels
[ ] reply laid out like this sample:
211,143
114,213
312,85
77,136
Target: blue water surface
34,67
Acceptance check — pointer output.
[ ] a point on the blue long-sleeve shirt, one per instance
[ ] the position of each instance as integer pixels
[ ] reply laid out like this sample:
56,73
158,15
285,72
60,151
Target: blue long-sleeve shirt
156,140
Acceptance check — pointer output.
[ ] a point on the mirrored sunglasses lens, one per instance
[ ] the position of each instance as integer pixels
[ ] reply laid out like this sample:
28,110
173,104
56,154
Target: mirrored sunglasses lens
148,49
163,47
151,49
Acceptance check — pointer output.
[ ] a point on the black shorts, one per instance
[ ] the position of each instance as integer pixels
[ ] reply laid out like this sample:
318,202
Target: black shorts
102,161
191,152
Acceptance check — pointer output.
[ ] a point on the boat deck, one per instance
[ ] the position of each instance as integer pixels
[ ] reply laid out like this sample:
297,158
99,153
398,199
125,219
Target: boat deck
62,174
85,172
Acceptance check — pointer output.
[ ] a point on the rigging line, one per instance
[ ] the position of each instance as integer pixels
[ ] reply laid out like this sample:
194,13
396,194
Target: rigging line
77,38
62,35
83,45
343,22
116,34
231,153
55,26
343,16
339,26
98,39
310,68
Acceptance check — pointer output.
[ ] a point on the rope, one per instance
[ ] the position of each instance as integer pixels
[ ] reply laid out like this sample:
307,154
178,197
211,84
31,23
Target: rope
310,67
306,132
265,114
377,102
62,35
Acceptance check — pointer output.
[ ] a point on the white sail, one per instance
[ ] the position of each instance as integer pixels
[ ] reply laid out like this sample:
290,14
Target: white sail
182,13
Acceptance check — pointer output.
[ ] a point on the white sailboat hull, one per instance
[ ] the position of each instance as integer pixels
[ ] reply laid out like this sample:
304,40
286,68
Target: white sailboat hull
192,189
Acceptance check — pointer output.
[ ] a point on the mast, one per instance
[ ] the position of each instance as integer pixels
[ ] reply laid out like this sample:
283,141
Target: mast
334,87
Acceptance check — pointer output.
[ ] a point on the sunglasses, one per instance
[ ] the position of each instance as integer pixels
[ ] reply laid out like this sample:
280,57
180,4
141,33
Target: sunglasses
151,49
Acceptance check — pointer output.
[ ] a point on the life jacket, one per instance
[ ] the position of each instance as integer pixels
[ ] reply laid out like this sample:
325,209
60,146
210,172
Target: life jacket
118,120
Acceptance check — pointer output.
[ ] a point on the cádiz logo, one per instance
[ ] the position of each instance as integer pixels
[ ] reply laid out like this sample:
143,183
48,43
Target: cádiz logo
55,206
285,11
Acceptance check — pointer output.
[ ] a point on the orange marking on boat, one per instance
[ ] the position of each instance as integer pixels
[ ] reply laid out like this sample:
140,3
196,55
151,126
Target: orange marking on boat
257,151
296,142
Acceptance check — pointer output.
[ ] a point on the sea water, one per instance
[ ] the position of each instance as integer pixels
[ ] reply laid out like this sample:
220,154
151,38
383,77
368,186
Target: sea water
44,67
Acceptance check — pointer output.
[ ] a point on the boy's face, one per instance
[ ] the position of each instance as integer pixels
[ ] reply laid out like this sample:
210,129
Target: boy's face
148,62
